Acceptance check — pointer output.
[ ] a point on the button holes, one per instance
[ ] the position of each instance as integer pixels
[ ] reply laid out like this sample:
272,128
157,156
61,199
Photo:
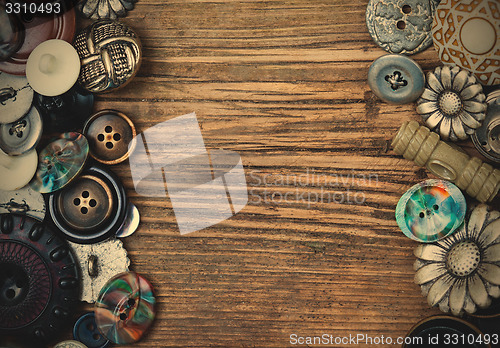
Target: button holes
131,302
20,134
421,214
93,203
84,210
85,194
401,25
10,293
96,337
90,327
27,17
117,136
59,153
484,143
406,9
123,316
435,206
49,167
76,201
100,137
108,129
109,145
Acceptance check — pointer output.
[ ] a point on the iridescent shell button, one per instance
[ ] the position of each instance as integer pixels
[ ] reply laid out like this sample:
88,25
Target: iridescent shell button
430,210
396,79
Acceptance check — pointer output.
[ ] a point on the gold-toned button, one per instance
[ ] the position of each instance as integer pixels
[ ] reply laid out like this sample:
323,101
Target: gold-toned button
111,136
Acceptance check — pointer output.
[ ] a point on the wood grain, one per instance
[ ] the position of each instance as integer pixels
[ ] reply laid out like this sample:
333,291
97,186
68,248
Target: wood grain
283,83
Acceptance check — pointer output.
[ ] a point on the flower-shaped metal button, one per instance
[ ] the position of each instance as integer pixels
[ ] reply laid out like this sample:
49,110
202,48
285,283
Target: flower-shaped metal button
60,162
453,103
22,135
486,138
91,209
86,331
39,281
430,210
461,273
23,202
105,8
17,171
16,97
401,26
111,136
396,79
125,308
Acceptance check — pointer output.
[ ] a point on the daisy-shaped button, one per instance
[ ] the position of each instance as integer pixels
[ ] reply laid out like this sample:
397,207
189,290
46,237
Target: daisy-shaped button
430,210
453,103
461,273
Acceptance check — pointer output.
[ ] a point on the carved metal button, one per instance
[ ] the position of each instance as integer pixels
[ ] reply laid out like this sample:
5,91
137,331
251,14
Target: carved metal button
70,344
23,202
86,331
110,54
486,139
90,209
39,282
98,9
401,26
16,97
11,34
17,171
430,210
396,79
22,135
111,136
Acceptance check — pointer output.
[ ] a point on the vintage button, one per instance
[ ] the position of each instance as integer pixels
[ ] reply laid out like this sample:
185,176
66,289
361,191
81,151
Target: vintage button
70,344
125,308
23,202
53,68
22,135
60,162
91,209
111,136
16,97
396,79
98,262
486,139
17,171
110,53
401,26
131,222
111,9
86,331
37,30
430,210
33,303
66,112
467,34
11,34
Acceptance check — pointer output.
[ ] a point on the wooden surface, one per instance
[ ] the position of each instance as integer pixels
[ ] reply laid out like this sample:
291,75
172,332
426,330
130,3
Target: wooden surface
283,83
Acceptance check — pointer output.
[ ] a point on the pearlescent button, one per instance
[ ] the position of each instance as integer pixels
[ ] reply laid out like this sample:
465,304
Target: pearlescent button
16,97
17,171
467,34
401,26
131,222
85,331
430,210
22,135
396,79
125,308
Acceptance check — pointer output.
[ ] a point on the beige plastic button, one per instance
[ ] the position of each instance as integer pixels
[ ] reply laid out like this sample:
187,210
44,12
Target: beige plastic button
17,171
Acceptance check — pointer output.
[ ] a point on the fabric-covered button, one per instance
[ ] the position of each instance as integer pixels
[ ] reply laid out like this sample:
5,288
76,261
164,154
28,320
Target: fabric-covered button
24,202
70,344
430,210
467,34
396,79
16,97
22,135
37,30
110,53
486,139
111,136
125,308
39,282
66,112
53,68
60,162
401,26
85,331
17,171
91,208
131,222
11,34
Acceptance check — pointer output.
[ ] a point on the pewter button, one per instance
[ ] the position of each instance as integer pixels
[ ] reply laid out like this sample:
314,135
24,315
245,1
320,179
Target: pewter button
22,135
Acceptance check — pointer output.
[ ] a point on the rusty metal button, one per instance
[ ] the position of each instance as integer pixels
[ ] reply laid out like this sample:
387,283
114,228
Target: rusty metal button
22,135
90,209
16,97
111,136
11,34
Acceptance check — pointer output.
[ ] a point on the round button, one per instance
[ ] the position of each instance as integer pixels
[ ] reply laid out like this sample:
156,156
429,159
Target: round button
66,112
430,210
91,209
486,138
17,171
401,26
22,135
39,281
24,201
11,34
85,331
131,222
111,54
468,35
396,79
53,68
111,136
125,308
16,97
37,30
70,344
60,162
